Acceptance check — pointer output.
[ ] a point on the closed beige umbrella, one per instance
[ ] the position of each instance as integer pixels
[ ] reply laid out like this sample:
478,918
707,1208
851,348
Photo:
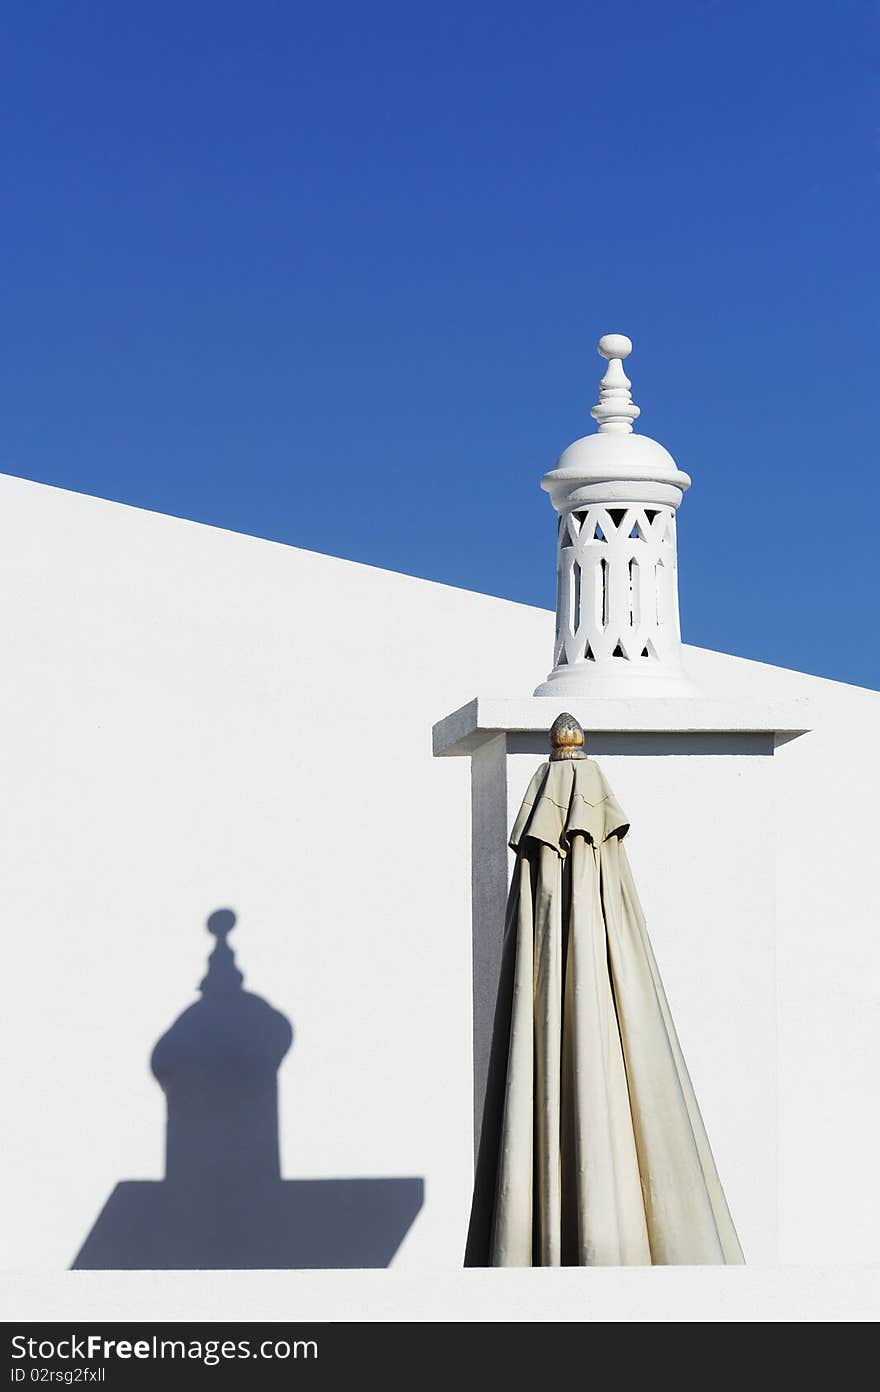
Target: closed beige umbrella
592,1151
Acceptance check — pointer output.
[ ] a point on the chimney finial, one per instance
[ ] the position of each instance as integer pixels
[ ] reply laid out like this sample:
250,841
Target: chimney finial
615,410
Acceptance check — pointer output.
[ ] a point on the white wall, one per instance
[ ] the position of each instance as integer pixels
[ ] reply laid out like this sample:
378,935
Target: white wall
193,719
828,961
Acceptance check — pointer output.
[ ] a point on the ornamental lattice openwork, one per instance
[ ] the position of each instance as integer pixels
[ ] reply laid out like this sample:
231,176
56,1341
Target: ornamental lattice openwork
617,594
617,620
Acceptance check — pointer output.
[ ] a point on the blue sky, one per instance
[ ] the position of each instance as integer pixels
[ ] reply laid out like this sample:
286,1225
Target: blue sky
333,274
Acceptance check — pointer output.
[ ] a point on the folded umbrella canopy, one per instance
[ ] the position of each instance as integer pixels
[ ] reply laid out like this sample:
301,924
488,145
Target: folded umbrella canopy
592,1150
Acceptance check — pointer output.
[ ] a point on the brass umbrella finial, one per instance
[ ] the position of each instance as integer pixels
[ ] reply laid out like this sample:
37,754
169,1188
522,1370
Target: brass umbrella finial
566,738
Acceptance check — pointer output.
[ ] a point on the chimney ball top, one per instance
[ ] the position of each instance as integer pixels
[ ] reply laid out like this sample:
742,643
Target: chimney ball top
615,346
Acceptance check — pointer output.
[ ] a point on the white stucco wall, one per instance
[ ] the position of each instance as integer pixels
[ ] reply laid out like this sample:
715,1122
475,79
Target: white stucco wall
828,961
193,719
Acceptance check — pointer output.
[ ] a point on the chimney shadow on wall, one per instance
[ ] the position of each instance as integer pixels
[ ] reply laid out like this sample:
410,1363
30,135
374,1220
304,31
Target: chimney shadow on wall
223,1204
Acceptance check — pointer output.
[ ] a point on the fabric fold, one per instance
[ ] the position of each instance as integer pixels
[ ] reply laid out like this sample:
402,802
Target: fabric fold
564,798
593,1151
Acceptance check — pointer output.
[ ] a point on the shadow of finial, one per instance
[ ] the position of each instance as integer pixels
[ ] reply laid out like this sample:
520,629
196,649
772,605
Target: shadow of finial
223,975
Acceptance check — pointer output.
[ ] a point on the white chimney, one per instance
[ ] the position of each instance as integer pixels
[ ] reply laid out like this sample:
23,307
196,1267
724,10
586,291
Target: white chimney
616,493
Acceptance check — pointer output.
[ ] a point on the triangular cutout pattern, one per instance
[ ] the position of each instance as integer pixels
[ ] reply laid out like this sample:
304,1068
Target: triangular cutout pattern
642,528
631,568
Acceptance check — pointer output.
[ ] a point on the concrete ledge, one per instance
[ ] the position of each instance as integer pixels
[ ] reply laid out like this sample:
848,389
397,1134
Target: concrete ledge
667,1294
465,729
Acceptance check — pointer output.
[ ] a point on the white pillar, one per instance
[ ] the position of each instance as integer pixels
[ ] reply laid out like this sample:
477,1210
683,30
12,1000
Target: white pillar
616,493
